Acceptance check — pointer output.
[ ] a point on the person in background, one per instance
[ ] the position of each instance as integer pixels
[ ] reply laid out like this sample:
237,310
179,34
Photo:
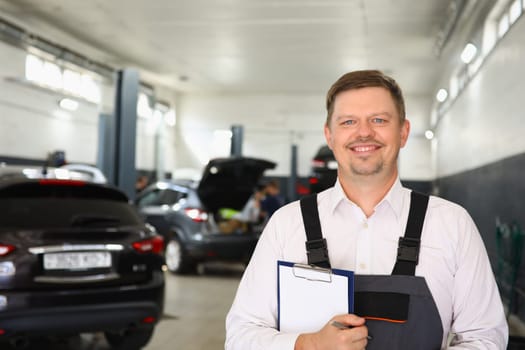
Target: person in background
423,251
272,199
251,213
141,183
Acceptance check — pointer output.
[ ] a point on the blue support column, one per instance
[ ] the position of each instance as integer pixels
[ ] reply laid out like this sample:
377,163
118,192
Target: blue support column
125,131
106,147
292,180
236,144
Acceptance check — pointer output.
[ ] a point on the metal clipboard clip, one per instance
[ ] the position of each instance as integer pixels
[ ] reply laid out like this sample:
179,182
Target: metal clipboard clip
312,273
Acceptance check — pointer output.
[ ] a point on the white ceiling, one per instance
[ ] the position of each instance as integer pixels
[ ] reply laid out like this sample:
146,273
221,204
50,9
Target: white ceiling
247,46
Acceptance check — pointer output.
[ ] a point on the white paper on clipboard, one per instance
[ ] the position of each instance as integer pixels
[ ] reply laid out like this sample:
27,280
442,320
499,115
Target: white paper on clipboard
308,297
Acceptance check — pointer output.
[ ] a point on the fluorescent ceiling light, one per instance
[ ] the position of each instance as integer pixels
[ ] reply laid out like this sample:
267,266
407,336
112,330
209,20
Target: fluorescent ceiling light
429,134
441,95
68,104
469,52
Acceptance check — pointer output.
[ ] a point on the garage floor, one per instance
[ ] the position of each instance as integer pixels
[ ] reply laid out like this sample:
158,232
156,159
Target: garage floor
196,306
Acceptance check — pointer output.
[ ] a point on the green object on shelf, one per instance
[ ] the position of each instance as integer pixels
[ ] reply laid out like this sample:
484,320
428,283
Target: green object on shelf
227,213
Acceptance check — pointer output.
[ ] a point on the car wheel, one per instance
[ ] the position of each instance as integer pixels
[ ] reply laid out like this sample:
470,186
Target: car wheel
176,258
130,339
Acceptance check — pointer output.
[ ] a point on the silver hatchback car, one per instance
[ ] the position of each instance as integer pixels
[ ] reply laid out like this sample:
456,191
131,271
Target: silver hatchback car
189,214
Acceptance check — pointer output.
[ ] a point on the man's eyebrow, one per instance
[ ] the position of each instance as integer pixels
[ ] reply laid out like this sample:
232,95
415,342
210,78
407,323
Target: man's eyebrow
343,116
380,113
375,114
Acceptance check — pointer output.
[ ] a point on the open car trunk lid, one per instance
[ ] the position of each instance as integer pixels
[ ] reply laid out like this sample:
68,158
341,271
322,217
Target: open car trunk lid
229,182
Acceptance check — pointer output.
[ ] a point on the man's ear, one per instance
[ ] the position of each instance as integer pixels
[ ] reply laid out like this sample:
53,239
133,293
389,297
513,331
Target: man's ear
328,136
405,131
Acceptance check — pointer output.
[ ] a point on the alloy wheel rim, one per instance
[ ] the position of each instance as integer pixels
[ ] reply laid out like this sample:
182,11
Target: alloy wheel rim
173,255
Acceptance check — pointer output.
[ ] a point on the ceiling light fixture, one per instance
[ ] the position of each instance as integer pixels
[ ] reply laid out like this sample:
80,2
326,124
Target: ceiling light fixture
469,52
429,134
442,95
68,104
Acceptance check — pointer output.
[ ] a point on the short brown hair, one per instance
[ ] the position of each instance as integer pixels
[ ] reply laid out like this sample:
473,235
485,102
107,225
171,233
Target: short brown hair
361,79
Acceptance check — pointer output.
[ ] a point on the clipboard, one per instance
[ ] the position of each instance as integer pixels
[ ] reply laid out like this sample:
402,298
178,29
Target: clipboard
309,296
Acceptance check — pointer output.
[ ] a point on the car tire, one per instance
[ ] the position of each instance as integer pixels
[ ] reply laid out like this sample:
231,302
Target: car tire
176,259
130,339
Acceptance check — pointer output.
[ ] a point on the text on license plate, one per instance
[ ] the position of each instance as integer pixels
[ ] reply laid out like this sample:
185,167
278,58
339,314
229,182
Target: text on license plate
77,260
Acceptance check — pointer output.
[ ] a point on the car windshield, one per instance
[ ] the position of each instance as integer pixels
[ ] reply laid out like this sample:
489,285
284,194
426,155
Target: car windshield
44,213
158,197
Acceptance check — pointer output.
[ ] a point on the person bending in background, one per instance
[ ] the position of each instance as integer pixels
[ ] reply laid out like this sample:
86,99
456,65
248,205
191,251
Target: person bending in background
397,242
272,199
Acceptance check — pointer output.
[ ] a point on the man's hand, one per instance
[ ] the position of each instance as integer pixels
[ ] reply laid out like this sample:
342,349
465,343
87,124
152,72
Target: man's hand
331,337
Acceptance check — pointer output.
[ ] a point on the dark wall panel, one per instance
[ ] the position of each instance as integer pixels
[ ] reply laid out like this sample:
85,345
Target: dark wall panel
492,191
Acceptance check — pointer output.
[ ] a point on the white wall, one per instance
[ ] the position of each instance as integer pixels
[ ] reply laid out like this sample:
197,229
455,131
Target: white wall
486,122
32,124
272,123
415,160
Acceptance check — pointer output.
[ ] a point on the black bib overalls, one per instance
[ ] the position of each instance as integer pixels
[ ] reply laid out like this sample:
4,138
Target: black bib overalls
399,308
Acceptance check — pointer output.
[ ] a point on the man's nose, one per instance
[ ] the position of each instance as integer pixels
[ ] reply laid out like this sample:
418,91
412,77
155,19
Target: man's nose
365,129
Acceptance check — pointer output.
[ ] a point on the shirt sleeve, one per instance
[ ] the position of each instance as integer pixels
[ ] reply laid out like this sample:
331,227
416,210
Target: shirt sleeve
478,317
252,320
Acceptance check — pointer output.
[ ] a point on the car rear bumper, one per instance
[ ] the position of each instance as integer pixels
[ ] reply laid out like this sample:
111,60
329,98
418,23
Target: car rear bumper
236,247
82,310
76,319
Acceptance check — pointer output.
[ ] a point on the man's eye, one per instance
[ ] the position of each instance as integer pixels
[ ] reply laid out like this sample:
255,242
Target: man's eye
378,120
348,122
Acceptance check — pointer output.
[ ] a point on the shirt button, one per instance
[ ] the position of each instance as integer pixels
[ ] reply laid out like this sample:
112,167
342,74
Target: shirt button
362,266
365,224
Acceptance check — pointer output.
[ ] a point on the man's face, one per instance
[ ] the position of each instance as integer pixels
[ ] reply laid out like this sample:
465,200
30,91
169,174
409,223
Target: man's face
365,133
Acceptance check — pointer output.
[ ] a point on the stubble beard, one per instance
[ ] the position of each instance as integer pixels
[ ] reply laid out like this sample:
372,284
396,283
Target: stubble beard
367,170
361,167
365,166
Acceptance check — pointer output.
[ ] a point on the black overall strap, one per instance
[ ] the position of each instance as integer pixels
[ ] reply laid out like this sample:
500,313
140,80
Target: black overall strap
316,249
408,248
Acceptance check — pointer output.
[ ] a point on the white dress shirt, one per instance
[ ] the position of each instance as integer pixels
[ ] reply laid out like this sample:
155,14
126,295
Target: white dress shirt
452,259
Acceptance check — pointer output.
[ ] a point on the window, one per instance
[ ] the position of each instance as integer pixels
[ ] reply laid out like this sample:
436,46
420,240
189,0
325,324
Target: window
143,106
34,68
46,73
160,197
65,212
52,76
503,25
89,89
72,82
515,11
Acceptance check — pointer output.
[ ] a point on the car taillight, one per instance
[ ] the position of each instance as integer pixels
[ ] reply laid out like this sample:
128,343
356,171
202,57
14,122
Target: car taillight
313,180
196,214
6,249
150,245
60,182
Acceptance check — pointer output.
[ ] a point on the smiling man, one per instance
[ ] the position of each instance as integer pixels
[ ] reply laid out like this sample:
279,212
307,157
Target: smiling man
422,275
365,129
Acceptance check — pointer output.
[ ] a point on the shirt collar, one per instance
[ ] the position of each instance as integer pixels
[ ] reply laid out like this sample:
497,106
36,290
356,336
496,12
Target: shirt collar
394,197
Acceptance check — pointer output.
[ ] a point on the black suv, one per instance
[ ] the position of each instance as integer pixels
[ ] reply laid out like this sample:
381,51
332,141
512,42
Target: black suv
76,257
188,213
324,170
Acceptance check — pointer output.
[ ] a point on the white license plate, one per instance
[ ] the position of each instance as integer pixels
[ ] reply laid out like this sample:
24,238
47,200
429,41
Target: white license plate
77,260
332,164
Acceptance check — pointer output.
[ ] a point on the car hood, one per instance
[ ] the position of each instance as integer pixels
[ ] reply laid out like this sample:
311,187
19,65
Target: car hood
229,182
